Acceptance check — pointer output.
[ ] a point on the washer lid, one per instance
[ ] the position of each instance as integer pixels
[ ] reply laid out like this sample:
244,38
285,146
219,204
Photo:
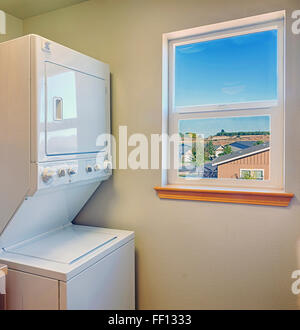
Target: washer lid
65,245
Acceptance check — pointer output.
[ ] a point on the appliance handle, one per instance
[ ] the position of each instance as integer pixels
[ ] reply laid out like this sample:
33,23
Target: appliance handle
58,108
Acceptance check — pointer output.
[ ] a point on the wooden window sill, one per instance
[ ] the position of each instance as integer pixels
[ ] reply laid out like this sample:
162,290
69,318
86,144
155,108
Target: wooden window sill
225,196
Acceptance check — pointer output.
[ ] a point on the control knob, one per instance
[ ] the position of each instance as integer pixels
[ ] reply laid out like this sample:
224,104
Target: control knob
61,172
47,175
89,169
72,171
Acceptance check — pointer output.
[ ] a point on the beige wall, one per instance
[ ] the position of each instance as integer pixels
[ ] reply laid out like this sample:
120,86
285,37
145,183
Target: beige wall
189,254
14,28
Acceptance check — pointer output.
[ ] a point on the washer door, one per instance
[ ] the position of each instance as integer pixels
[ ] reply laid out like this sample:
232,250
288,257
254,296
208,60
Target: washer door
75,110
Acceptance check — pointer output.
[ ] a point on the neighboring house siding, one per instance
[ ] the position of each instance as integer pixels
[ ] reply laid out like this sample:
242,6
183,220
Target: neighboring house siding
232,169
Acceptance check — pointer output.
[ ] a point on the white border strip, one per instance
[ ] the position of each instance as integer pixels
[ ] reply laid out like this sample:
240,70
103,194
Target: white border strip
237,23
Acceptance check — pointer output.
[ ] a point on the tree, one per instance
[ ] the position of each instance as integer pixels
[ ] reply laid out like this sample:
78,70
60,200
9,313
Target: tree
209,151
226,150
258,142
210,148
247,176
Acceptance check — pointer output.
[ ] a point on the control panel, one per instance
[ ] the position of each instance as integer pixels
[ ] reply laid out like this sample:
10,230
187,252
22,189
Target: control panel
53,174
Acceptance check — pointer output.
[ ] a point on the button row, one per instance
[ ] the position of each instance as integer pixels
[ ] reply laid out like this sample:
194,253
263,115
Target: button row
48,173
62,172
90,169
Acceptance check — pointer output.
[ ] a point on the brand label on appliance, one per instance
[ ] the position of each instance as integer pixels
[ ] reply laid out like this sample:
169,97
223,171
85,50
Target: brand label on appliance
46,46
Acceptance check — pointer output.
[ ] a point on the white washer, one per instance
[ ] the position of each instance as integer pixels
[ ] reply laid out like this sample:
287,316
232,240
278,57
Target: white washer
55,120
73,267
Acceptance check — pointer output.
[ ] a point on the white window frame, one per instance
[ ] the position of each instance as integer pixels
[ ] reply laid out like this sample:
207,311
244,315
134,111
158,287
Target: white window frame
274,109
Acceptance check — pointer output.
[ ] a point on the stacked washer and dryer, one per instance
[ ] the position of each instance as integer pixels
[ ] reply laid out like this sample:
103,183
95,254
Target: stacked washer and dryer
54,105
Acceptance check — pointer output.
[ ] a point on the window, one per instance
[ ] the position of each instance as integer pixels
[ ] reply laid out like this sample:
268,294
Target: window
252,174
227,145
225,86
241,68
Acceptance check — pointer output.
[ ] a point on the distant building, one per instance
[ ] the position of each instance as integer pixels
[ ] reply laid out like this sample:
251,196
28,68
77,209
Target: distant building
219,150
188,156
235,146
248,163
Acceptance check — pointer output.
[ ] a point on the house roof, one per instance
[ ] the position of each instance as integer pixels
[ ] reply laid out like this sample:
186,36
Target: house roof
219,146
241,153
210,171
242,144
209,166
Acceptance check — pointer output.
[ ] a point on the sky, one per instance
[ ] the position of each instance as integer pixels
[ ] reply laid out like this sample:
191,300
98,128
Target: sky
235,69
211,126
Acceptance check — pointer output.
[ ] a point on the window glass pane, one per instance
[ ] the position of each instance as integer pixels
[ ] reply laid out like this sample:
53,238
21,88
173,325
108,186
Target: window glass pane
245,174
252,174
229,70
258,174
225,148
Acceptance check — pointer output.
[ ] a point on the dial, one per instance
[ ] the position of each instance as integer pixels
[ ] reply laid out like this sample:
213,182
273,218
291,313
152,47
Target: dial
47,175
72,171
61,172
89,169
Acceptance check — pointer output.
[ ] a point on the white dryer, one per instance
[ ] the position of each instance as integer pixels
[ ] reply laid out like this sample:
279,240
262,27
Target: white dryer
55,151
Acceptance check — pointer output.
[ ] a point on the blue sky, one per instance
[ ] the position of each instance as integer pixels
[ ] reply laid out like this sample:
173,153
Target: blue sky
211,126
236,69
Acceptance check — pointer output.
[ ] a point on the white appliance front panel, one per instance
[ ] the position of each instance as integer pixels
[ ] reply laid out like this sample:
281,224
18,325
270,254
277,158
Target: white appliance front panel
65,245
46,211
75,111
70,102
109,284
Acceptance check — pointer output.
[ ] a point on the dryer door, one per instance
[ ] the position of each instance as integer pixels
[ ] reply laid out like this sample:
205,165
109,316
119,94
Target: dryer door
75,111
